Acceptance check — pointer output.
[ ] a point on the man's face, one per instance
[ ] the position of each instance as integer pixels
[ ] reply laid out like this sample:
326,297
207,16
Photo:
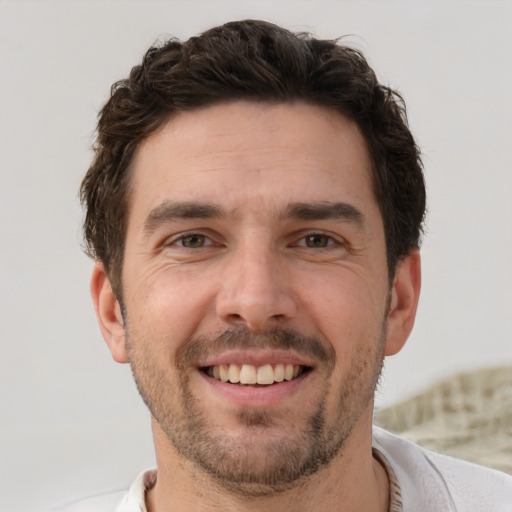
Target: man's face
255,251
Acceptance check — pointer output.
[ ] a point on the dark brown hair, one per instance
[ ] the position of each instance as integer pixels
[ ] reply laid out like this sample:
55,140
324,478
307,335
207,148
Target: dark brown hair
256,61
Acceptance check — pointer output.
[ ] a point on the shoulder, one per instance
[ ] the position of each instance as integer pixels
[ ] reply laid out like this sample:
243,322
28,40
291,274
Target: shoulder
440,482
473,486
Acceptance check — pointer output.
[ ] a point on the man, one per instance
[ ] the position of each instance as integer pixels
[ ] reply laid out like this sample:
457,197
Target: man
255,209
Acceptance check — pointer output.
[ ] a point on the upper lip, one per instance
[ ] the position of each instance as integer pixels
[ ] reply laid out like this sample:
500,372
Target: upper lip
256,357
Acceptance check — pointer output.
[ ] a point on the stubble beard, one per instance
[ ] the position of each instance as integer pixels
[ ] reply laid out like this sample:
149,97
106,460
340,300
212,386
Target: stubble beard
281,462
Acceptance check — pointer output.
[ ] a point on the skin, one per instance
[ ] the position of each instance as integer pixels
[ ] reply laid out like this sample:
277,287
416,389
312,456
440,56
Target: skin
266,247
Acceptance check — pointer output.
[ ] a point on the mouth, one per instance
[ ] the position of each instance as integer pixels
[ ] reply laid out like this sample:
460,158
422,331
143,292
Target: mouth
252,375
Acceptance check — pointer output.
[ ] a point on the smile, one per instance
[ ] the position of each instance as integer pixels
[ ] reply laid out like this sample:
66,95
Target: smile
248,374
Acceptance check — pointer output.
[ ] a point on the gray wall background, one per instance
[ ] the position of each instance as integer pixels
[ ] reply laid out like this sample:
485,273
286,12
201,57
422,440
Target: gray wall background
71,422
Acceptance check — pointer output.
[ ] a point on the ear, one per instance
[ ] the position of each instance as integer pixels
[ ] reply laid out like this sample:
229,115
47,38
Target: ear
405,294
108,312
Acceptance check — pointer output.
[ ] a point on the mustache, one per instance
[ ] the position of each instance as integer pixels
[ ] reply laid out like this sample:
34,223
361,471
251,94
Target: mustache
240,338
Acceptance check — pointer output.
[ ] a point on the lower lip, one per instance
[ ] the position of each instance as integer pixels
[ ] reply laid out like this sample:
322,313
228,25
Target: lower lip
256,397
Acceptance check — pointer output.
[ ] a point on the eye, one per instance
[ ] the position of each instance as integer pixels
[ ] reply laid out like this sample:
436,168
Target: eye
316,241
193,241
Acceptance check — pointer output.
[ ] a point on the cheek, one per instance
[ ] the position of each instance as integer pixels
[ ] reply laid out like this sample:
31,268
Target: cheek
166,307
346,308
349,314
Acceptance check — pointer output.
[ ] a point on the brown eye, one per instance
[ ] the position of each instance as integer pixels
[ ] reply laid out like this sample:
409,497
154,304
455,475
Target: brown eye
193,241
317,241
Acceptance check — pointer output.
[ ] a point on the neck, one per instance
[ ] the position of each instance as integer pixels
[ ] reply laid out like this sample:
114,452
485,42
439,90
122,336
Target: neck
354,479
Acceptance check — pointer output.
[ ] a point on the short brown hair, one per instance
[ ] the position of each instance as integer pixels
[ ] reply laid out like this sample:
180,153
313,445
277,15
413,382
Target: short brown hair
256,61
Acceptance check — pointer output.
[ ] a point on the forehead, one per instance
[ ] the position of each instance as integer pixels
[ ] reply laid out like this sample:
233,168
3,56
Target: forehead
252,155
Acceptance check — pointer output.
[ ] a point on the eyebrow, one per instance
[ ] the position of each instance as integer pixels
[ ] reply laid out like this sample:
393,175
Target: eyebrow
169,211
323,211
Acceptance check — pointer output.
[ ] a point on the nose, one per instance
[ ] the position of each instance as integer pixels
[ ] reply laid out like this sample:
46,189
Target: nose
255,291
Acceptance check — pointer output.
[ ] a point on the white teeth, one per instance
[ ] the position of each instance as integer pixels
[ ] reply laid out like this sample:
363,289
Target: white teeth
234,373
265,375
247,374
288,372
250,374
279,373
224,372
